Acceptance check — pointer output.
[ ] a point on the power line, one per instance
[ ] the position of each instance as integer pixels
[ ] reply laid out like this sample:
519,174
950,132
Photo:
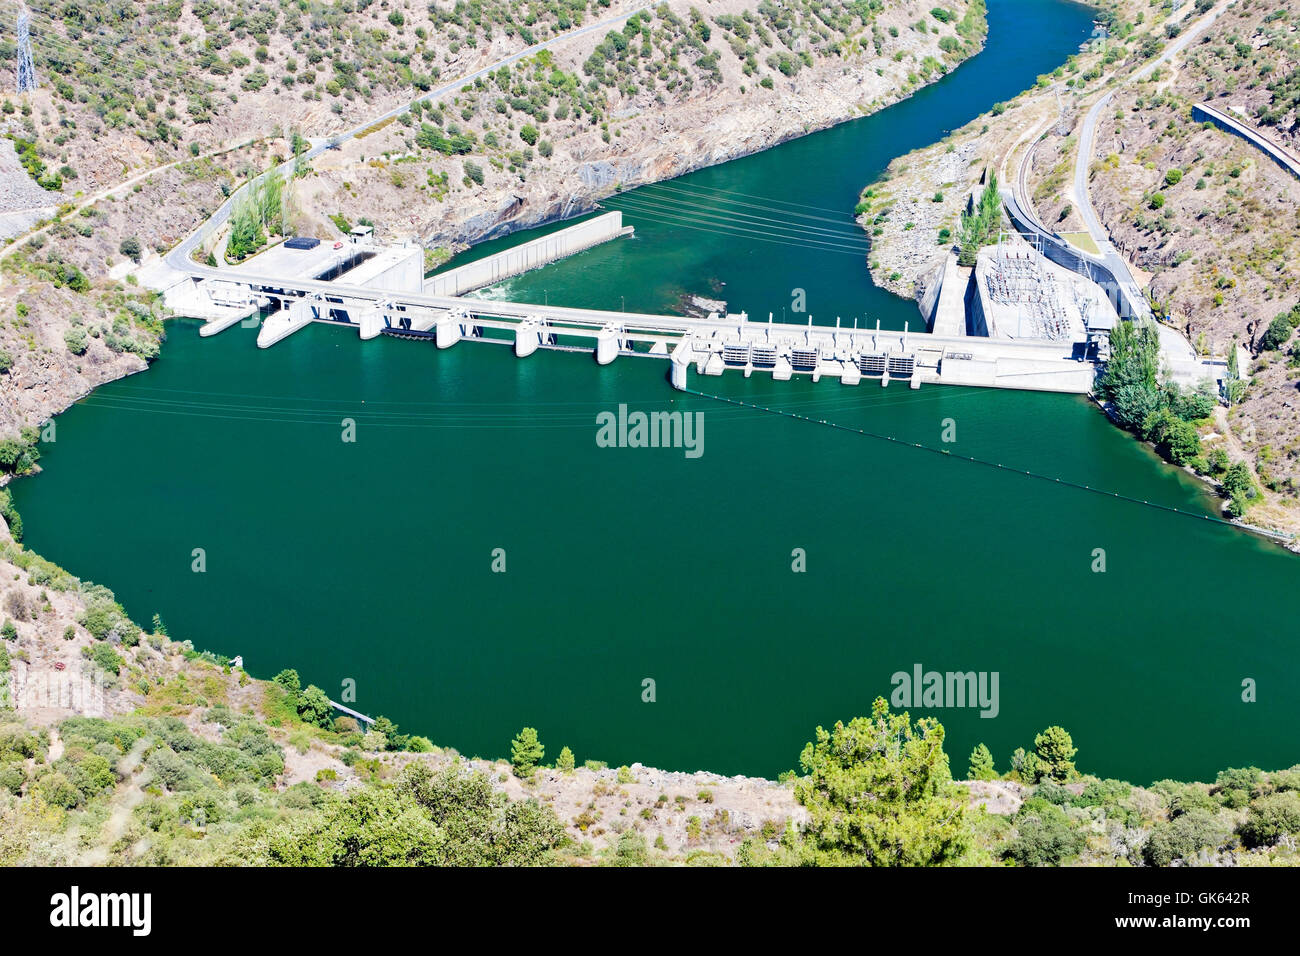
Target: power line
852,236
784,202
845,219
711,225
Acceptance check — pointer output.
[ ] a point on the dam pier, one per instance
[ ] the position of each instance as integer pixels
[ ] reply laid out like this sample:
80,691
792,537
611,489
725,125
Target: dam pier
380,289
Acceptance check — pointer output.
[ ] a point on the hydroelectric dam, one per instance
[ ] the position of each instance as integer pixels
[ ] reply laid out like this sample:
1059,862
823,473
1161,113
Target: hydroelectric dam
381,290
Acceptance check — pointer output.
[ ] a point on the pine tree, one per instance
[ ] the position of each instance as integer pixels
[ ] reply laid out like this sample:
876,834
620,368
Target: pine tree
879,793
1056,750
981,764
565,762
526,752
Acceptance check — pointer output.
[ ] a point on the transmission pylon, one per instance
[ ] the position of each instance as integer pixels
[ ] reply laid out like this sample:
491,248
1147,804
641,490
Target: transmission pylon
26,66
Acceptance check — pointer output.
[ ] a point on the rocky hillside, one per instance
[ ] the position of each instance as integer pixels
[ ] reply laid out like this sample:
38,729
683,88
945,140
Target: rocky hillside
674,89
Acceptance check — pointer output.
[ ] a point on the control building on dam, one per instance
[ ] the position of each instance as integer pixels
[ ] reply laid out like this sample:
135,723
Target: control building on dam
979,332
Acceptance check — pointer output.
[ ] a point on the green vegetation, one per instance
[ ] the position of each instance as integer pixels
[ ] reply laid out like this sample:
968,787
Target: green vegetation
1168,416
981,224
10,514
31,160
263,209
565,762
18,456
526,753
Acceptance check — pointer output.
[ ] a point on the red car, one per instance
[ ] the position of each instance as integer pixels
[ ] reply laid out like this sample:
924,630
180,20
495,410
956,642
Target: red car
339,244
59,665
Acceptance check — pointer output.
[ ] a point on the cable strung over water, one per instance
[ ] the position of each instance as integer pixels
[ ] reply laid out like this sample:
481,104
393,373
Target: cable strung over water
969,458
715,211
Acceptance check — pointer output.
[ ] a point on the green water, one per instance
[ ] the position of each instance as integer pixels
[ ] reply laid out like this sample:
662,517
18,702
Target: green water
371,560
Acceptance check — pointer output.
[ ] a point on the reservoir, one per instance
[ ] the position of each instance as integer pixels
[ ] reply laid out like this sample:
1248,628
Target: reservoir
372,560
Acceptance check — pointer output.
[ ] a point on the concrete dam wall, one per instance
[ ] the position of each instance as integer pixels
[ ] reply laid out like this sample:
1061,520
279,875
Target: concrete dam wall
531,255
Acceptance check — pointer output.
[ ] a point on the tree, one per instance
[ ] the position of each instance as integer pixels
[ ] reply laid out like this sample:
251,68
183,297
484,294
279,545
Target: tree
528,133
981,764
1270,818
526,752
879,792
1131,379
130,248
314,707
289,680
1055,750
1026,766
1276,335
980,226
1239,487
565,762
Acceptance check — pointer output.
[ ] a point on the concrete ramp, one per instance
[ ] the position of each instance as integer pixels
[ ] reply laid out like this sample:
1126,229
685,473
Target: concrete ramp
528,256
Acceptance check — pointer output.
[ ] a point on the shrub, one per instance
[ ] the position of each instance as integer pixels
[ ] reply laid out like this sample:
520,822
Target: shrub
76,341
528,133
1043,836
106,658
1270,818
1173,177
1182,837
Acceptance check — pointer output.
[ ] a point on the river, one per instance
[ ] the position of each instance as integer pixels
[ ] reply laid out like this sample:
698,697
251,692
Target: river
372,561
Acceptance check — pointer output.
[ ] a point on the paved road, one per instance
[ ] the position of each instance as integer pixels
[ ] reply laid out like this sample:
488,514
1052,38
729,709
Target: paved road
179,257
1175,346
1088,133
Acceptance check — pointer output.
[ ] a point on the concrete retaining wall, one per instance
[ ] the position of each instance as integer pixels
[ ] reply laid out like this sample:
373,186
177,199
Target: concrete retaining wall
528,256
1204,113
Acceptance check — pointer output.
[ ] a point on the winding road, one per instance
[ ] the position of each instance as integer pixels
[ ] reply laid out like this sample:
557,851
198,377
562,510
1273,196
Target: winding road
1113,261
